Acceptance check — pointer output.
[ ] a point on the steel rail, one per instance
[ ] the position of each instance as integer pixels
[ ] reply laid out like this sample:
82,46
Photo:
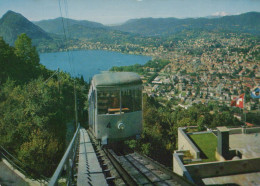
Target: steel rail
165,170
128,179
142,173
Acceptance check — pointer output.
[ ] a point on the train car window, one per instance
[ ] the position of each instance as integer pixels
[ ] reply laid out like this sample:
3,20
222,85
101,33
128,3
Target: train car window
131,100
108,102
137,97
127,101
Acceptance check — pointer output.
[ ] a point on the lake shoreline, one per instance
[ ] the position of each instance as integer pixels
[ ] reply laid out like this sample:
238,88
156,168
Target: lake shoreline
96,50
87,63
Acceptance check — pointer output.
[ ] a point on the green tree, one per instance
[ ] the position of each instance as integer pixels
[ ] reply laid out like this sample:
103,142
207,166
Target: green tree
25,51
8,62
28,56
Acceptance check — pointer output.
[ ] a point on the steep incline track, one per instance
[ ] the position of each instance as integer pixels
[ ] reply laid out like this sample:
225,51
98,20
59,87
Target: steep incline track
136,169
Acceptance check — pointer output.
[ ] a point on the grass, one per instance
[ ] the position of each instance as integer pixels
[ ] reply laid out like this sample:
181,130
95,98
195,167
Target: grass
207,143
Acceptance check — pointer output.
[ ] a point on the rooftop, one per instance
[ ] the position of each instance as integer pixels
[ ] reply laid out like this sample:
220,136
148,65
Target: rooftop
247,144
241,169
207,143
238,179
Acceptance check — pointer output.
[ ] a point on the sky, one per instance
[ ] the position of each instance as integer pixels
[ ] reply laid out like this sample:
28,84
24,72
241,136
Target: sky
119,11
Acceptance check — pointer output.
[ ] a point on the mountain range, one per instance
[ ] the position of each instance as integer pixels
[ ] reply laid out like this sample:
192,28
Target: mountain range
13,24
78,29
247,23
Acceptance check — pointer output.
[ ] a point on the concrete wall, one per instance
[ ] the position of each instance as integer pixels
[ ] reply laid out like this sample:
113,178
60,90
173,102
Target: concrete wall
235,130
179,168
219,157
16,173
213,169
244,130
252,130
184,143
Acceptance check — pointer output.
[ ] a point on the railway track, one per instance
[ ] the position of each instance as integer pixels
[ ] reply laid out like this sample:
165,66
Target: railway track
136,169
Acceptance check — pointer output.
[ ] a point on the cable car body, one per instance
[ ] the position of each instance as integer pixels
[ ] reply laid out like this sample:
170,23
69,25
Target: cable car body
115,106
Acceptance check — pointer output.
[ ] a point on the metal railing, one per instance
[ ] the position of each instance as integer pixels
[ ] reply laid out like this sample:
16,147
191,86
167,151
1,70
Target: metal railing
67,162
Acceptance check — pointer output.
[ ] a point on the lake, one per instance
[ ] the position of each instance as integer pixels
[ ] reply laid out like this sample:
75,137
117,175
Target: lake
89,62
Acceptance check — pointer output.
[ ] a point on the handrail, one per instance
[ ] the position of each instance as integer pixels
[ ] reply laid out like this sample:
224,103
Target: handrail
57,173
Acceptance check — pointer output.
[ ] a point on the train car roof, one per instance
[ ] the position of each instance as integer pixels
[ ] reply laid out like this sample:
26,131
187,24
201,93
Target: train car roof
116,79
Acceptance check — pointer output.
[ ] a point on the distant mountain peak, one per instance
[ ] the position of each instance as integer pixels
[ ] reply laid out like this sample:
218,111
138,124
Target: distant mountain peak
11,13
13,24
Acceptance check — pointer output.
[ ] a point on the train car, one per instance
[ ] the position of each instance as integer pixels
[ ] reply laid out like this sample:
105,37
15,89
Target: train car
115,106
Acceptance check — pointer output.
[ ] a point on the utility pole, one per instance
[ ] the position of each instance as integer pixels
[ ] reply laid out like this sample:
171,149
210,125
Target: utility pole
59,86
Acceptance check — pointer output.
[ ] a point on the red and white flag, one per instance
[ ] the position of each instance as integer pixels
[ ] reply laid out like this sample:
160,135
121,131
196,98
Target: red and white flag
238,102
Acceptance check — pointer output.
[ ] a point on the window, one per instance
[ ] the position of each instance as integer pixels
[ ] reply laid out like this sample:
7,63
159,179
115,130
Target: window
131,100
109,101
127,101
137,100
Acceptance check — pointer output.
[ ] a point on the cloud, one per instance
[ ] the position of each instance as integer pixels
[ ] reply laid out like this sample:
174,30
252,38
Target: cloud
221,14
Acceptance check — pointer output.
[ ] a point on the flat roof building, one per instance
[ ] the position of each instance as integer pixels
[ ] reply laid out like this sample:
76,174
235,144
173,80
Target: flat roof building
223,156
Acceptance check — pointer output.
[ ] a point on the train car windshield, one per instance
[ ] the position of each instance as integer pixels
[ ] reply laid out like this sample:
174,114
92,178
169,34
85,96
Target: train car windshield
110,102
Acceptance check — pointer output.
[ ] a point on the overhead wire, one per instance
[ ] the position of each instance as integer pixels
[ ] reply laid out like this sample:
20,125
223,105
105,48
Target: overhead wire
65,2
57,71
67,35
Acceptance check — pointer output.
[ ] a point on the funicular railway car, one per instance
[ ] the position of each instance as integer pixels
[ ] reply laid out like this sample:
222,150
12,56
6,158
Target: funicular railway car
115,106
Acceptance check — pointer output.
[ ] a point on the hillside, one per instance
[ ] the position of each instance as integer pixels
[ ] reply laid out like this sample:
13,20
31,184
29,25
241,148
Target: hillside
246,23
13,24
56,25
84,30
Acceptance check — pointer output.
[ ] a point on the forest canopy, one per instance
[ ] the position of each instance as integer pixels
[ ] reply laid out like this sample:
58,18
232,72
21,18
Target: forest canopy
34,109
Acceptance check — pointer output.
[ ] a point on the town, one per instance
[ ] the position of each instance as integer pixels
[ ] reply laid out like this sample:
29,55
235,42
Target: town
217,67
